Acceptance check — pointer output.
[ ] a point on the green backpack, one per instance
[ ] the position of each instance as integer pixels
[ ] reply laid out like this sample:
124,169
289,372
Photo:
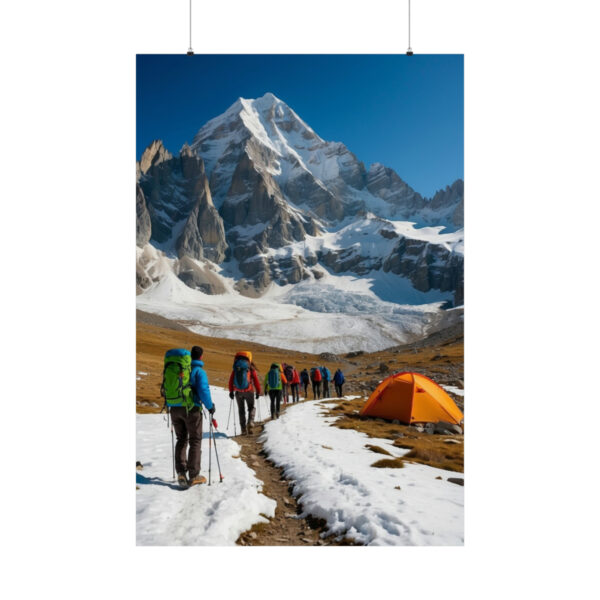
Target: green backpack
175,387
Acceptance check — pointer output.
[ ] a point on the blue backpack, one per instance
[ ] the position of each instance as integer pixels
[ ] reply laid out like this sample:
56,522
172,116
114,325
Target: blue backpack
274,379
339,377
326,373
241,369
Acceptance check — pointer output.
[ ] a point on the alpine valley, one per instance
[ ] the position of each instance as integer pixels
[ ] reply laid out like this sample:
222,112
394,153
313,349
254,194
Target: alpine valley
260,230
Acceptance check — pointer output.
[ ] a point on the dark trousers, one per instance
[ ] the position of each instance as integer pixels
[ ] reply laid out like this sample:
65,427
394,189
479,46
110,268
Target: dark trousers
188,429
275,396
338,389
316,389
243,399
305,386
295,394
325,388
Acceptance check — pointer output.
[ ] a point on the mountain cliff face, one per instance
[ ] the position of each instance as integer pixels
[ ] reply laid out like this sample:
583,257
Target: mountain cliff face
179,204
260,193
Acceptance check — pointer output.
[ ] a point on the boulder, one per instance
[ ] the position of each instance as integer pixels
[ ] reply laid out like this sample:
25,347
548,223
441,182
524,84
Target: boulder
445,428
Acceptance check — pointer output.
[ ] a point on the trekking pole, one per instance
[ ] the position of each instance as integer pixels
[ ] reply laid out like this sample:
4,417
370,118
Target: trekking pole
234,429
209,451
230,405
213,422
173,450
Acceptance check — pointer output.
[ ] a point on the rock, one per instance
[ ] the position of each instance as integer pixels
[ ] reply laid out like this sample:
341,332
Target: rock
429,428
286,502
327,356
439,477
253,535
138,465
354,354
445,428
452,442
383,368
288,515
306,540
281,539
456,480
396,422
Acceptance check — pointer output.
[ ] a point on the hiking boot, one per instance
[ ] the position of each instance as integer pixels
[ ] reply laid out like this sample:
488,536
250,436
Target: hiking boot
198,480
244,431
182,480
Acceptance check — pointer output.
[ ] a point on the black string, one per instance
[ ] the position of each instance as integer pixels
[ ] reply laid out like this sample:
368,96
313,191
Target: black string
190,52
409,51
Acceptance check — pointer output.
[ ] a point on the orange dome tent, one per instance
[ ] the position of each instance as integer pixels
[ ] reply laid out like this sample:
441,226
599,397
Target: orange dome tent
411,398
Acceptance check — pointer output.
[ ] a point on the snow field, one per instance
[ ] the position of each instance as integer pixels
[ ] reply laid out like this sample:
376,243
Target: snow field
346,314
331,470
204,515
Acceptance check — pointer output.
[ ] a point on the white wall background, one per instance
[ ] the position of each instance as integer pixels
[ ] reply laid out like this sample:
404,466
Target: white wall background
67,246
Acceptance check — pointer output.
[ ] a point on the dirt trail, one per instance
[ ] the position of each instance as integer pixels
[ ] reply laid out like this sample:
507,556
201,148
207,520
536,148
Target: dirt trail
285,528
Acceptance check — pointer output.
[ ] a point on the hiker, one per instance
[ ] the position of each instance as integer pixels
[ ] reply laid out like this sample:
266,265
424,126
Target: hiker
305,378
315,378
288,371
274,381
244,384
295,385
338,380
187,422
326,375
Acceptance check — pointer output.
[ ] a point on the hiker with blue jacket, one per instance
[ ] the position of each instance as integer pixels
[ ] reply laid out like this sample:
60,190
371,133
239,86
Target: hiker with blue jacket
244,385
187,423
326,376
338,380
274,382
305,379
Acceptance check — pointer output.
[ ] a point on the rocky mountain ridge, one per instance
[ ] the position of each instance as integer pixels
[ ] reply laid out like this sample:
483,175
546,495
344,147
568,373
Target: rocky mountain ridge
281,196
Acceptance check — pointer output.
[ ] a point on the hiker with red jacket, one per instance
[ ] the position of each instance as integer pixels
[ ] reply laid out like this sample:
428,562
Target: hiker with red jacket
315,378
305,378
274,382
295,385
244,384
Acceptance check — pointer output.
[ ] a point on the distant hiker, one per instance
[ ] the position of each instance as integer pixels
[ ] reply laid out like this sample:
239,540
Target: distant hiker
305,378
274,381
326,375
244,384
295,385
338,379
288,371
315,378
185,398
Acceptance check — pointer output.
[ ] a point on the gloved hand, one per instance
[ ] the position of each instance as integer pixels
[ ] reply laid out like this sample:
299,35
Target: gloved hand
212,410
231,395
257,395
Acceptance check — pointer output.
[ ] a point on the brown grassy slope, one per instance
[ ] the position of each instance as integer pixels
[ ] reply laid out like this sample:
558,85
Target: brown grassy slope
433,450
153,340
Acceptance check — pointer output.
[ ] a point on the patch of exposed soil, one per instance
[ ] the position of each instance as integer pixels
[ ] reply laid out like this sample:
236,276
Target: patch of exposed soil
286,528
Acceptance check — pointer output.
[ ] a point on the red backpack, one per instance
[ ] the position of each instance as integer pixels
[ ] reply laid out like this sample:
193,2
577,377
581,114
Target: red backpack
315,374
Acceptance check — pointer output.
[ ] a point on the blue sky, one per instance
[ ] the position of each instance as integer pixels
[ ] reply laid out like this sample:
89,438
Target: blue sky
403,111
